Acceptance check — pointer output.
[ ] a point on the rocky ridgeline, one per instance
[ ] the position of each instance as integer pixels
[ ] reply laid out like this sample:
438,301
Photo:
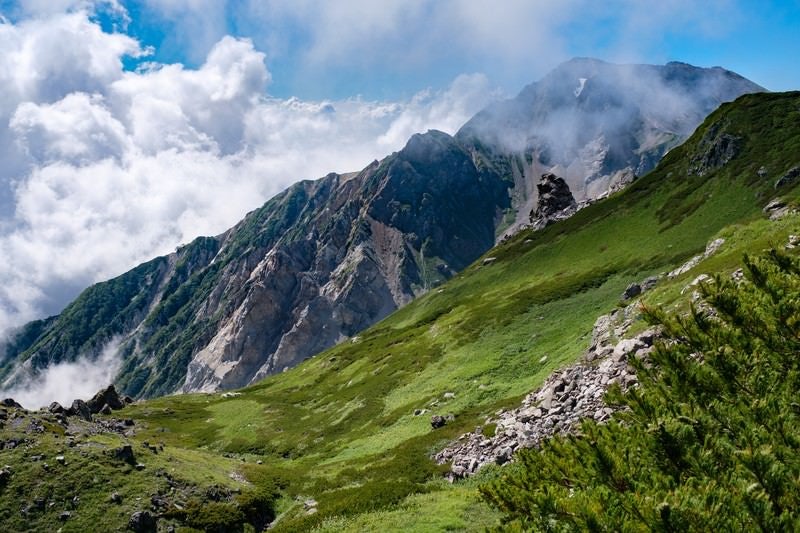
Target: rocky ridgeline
567,397
105,402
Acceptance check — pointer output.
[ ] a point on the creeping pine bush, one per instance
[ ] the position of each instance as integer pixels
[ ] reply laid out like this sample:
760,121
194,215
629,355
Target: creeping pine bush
708,442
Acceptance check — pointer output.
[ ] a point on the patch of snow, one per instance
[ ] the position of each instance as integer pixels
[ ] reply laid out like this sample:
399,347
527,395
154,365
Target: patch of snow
579,88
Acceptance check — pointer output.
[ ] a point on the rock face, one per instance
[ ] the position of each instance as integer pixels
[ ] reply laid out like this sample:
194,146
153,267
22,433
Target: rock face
555,201
315,265
567,397
716,148
327,258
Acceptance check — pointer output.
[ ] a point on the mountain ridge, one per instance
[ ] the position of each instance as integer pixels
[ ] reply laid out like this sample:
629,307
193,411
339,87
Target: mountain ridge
317,263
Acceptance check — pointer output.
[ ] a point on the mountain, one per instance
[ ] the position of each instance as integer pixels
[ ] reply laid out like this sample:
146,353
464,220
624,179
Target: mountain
598,125
327,258
343,441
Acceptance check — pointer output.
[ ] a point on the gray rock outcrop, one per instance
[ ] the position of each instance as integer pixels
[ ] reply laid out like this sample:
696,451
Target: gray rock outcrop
568,396
555,201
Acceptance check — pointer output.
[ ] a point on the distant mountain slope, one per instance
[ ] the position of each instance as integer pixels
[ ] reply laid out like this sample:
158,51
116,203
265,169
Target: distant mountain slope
327,258
599,124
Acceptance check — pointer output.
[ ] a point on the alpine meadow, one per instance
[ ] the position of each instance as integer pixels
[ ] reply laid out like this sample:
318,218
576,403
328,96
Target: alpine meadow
575,309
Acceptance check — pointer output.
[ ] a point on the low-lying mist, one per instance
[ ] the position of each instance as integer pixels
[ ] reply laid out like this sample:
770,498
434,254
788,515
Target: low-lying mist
67,381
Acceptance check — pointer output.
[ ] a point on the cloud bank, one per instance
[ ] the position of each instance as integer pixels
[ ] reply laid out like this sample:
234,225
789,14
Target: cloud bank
105,168
66,382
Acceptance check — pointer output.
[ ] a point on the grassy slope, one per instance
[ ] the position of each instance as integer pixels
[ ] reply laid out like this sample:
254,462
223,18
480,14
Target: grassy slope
340,428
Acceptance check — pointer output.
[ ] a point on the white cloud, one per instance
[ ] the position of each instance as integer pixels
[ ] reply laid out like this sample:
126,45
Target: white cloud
66,382
108,168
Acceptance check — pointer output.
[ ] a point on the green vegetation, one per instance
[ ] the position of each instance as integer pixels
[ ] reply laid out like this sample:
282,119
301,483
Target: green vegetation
341,429
710,441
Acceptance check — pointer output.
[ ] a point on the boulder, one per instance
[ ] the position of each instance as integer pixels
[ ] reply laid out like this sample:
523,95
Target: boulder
10,402
438,421
555,201
790,177
80,409
56,408
142,522
632,291
124,453
107,396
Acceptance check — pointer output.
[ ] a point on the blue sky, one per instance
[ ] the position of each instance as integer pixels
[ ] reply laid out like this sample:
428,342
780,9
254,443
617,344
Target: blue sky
309,60
394,48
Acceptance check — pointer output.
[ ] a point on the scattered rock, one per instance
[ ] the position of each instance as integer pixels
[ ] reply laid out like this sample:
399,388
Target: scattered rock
115,497
632,291
64,516
489,261
790,177
777,209
80,409
711,249
56,408
107,396
567,396
60,459
142,522
449,395
794,241
124,453
438,421
10,402
230,394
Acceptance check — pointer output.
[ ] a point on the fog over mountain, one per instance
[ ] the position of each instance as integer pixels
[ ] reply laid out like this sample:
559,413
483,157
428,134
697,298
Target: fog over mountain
598,124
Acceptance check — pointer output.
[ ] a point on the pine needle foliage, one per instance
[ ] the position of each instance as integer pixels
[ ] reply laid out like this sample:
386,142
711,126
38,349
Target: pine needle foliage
709,441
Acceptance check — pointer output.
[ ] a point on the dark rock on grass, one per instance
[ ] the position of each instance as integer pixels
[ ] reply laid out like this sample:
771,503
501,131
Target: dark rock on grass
107,396
115,497
80,409
437,421
632,291
788,178
142,522
64,516
10,402
5,475
124,453
555,201
106,410
56,408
